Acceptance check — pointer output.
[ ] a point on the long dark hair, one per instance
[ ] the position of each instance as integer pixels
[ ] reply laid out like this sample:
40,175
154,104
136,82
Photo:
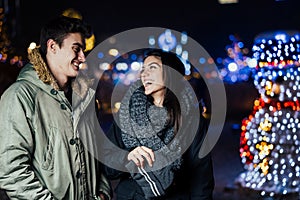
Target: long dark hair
170,61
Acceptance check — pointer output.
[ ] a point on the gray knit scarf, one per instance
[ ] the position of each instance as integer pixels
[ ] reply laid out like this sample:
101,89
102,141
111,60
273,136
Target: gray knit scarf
144,124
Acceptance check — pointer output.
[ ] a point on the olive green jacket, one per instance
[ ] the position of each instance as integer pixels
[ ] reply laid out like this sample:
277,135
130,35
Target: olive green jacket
41,156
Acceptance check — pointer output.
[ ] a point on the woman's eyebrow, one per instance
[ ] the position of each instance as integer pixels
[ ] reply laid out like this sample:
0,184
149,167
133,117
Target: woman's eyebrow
153,63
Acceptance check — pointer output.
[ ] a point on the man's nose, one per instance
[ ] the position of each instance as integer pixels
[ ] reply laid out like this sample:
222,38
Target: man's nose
81,56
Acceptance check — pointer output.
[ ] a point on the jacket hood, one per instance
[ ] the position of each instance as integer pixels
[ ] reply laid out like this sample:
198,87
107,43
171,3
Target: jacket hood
29,74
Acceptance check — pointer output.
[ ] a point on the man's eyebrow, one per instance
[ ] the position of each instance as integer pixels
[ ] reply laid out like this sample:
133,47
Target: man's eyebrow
79,44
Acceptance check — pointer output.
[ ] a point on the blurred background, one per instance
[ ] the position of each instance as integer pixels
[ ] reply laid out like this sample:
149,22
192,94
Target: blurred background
227,29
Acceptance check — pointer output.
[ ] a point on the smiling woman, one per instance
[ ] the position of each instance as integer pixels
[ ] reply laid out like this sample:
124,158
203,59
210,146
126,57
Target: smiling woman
154,126
152,79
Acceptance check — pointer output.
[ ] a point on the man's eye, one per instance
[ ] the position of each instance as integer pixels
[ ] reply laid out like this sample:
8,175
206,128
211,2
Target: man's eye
77,49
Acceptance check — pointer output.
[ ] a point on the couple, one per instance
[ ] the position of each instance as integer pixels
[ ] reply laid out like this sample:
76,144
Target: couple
42,152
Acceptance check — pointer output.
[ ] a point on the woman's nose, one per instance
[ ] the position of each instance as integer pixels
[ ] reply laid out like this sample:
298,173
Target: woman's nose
146,71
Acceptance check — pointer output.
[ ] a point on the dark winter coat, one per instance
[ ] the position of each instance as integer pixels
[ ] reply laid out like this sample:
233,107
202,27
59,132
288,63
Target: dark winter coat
194,177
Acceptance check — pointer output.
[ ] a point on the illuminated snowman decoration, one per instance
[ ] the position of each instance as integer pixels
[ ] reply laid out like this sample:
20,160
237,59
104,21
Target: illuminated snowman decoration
270,138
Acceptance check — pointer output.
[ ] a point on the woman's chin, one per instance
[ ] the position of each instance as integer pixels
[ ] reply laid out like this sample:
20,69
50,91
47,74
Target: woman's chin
147,92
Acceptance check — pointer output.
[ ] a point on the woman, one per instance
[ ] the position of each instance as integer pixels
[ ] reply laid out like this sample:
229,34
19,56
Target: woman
156,126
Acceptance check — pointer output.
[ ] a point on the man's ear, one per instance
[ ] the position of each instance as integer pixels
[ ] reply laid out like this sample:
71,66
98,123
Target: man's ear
51,46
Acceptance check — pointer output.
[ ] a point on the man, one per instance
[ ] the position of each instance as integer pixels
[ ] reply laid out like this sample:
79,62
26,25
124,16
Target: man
42,155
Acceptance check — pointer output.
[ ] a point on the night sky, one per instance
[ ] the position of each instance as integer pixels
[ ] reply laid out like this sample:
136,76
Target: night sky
206,21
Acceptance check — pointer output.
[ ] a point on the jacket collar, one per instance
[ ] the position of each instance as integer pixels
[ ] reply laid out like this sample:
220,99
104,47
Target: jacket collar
38,73
41,68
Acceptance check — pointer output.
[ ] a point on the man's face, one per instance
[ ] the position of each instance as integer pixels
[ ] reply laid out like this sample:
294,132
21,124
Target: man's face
65,61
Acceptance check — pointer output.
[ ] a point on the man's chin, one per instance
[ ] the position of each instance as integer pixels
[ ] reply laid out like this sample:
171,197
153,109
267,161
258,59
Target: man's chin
74,74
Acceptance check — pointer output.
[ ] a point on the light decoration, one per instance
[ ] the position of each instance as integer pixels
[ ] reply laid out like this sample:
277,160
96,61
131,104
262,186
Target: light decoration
90,42
237,66
167,41
270,135
227,1
7,52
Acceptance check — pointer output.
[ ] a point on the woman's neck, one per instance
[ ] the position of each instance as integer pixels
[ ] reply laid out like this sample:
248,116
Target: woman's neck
158,98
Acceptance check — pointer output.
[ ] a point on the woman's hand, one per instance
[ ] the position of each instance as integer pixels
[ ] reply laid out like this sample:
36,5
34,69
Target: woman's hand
103,197
139,154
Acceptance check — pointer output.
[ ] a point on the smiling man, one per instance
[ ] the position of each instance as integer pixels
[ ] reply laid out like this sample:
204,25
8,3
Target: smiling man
41,153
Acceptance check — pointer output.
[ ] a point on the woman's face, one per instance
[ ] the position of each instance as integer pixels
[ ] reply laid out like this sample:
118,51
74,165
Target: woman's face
152,75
